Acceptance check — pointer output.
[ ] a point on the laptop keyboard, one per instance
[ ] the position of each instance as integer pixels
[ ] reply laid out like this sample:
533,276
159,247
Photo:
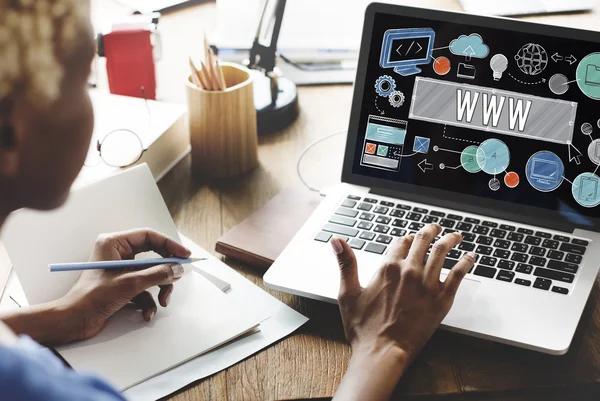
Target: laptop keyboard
509,253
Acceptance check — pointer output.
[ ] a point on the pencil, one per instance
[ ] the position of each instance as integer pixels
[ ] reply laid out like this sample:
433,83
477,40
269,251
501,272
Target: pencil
120,264
206,74
221,76
194,75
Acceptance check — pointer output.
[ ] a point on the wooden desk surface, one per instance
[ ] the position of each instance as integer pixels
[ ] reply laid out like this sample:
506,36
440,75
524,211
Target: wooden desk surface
309,364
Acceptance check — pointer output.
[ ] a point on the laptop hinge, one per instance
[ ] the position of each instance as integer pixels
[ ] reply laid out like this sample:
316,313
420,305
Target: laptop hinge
550,224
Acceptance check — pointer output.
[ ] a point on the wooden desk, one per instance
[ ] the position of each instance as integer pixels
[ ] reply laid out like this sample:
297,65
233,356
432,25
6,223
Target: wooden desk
309,364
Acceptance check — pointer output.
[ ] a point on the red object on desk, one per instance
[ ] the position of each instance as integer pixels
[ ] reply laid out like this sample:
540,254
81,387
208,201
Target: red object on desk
130,63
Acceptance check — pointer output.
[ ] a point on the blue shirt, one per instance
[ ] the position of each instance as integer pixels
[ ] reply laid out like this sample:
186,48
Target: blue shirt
29,372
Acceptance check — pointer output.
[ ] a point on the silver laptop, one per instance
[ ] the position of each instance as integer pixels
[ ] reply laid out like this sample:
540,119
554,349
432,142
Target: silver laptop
488,127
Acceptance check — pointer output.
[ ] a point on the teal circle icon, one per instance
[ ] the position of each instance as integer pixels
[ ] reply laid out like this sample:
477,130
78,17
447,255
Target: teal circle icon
586,189
493,156
468,159
588,75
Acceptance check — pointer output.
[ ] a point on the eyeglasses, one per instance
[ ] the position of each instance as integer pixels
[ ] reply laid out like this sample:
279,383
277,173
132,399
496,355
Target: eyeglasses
119,148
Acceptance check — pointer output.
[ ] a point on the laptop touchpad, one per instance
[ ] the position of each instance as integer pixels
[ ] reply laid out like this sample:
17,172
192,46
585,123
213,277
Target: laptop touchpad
463,310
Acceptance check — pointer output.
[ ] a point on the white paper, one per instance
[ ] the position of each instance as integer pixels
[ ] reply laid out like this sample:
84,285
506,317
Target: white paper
283,321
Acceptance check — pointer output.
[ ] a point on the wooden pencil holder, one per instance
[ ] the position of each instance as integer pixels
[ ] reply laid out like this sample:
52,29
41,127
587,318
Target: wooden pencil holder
222,124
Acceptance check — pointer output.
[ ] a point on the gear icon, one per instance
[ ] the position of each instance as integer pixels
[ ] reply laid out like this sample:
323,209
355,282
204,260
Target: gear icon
397,98
385,85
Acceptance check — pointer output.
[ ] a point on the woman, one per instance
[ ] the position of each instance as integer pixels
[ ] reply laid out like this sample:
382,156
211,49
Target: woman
46,121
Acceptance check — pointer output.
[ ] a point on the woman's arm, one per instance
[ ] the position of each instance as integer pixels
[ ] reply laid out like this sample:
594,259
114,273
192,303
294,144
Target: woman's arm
389,322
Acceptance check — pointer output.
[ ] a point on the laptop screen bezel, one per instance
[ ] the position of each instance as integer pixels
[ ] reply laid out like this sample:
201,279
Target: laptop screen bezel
442,198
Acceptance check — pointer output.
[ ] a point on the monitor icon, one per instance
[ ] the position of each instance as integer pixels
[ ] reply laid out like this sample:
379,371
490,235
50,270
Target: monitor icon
545,171
404,49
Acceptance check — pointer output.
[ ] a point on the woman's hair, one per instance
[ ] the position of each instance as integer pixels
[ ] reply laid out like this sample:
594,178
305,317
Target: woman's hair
36,39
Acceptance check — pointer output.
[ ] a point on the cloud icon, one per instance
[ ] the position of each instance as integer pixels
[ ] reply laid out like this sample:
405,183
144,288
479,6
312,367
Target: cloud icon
469,46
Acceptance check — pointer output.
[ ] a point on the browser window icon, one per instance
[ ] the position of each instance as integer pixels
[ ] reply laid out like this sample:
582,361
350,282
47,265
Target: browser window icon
592,75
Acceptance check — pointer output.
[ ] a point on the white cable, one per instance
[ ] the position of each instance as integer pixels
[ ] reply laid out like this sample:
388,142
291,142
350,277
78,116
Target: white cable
305,151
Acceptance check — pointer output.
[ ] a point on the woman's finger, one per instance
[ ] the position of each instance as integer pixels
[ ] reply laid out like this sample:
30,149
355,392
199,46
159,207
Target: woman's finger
421,243
399,248
458,272
145,239
153,276
164,296
145,302
437,256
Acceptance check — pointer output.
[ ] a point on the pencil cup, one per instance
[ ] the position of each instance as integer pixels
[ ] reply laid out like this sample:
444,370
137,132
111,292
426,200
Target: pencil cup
222,126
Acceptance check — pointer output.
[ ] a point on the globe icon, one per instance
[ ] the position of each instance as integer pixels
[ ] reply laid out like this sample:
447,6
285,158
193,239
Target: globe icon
532,59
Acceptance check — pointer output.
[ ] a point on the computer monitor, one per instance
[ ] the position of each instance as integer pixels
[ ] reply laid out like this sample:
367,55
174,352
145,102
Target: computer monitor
404,49
544,170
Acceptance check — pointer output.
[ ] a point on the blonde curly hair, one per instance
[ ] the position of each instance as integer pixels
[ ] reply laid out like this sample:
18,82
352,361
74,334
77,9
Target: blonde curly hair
36,37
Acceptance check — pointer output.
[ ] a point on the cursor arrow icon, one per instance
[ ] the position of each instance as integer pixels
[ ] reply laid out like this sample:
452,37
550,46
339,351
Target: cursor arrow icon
424,166
574,154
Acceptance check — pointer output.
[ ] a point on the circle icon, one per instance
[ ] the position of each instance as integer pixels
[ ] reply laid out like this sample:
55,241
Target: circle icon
594,151
586,190
494,184
512,179
545,171
493,156
532,59
587,129
598,123
385,85
396,99
442,166
441,65
588,75
558,84
468,159
498,64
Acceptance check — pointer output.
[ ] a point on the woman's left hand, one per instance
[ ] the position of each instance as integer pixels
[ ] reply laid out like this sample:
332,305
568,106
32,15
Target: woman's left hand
98,294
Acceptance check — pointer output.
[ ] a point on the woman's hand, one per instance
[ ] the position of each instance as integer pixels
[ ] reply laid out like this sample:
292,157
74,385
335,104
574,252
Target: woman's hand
98,294
389,322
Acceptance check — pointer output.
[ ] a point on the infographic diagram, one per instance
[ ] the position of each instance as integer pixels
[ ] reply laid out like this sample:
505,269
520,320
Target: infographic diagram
478,100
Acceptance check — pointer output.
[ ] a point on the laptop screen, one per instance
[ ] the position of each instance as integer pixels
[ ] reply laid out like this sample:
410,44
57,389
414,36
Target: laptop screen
482,111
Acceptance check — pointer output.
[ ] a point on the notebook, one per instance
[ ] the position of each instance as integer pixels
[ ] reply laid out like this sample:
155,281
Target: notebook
129,350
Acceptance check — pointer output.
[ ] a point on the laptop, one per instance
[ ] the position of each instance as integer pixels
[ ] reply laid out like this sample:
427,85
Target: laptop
526,7
487,127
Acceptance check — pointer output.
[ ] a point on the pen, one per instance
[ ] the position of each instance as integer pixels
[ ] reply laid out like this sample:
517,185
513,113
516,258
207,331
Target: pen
120,264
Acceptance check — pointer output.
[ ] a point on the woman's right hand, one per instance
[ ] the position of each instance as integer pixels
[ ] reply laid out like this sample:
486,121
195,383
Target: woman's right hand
391,319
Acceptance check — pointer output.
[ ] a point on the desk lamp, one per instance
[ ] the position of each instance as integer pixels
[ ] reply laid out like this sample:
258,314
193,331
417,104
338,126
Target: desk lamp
275,97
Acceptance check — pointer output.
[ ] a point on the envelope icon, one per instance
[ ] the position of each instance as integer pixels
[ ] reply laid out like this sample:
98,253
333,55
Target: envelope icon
371,148
421,144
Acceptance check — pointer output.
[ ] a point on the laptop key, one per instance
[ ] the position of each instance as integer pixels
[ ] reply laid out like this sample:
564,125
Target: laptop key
356,243
485,271
556,255
364,225
349,203
542,284
530,240
416,226
537,251
430,219
336,229
496,233
448,231
519,257
386,203
403,207
537,261
462,226
489,224
414,216
573,258
520,281
353,197
502,244
562,238
420,210
369,236
343,237
515,237
383,220
506,264
501,253
468,237
472,220
397,213
447,223
454,254
488,261
437,214
375,248
550,244
466,246
455,217
484,250
379,228
322,237
484,240
399,223
371,200
580,242
367,216
576,249
525,231
542,234
384,239
563,266
381,210
365,206
507,227
560,290
505,275
519,248
481,230
524,268
342,211
554,275
398,232
344,221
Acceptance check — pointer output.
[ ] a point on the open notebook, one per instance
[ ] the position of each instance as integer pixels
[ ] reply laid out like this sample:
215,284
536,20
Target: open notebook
129,350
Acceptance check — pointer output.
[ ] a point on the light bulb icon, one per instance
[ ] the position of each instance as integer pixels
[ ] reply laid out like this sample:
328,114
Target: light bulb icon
499,63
